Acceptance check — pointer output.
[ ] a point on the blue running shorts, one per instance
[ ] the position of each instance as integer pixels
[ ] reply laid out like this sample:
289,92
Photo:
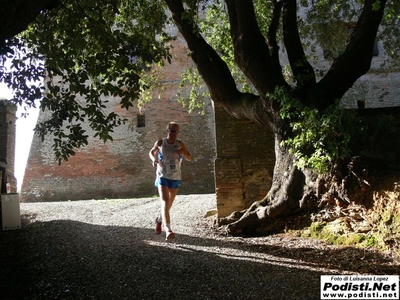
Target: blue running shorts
171,184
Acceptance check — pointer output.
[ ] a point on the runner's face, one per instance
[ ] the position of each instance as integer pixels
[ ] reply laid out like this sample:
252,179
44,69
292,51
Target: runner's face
173,132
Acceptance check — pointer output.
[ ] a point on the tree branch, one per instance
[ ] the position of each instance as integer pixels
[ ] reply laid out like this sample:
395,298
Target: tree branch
273,28
252,53
354,62
213,69
302,70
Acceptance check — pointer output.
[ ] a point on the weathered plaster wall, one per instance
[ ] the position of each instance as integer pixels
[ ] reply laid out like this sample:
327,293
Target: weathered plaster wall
378,88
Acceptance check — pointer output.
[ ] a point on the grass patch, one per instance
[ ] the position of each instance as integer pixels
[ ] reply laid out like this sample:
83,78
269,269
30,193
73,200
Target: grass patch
333,234
383,219
385,215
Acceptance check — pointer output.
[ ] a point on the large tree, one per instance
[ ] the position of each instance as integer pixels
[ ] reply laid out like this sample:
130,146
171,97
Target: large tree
95,48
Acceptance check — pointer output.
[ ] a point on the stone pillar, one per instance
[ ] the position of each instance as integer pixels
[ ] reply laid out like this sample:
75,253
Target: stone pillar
7,140
244,162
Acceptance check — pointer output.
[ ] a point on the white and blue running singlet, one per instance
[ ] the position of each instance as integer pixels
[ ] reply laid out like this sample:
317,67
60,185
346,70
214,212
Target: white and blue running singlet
169,165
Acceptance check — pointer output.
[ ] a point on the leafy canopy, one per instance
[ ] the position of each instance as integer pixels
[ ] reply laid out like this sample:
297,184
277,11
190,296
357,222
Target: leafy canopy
86,50
94,48
318,137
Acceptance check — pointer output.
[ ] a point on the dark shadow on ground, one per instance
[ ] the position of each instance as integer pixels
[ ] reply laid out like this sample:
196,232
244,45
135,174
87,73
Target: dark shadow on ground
73,260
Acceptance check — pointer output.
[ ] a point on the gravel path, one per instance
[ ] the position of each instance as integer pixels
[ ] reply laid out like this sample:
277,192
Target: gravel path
107,249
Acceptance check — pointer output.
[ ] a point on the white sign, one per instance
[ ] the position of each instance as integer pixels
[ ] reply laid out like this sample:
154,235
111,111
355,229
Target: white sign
360,287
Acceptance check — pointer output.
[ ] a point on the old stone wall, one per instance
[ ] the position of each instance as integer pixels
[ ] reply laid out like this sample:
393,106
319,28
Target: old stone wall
244,163
121,168
378,88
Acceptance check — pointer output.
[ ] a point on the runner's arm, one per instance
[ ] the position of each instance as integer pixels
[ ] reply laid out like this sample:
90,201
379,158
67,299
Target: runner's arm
153,153
185,152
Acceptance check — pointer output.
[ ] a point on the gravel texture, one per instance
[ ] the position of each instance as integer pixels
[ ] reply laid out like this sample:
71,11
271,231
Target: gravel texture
108,249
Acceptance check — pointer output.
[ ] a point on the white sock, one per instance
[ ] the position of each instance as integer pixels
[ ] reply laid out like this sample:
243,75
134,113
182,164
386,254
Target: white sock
168,227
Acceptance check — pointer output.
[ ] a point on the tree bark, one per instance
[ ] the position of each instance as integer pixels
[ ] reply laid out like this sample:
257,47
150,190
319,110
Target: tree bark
290,185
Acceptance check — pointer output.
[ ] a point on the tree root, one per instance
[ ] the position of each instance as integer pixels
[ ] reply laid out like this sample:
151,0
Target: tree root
255,215
347,184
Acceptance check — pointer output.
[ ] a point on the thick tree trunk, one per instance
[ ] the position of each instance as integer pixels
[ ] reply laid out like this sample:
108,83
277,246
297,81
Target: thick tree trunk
353,180
290,188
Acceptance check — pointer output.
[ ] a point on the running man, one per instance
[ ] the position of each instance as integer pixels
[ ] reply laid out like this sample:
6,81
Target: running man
167,154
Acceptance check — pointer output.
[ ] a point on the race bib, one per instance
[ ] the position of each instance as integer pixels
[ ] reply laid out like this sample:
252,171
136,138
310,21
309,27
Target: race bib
171,167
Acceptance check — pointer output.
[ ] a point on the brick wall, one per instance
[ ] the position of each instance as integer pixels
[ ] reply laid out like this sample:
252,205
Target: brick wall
243,151
244,163
122,168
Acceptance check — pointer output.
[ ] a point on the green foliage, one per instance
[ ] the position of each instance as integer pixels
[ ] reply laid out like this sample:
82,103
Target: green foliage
371,242
330,235
383,219
318,137
315,229
329,23
390,32
192,93
385,215
24,73
89,49
214,20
